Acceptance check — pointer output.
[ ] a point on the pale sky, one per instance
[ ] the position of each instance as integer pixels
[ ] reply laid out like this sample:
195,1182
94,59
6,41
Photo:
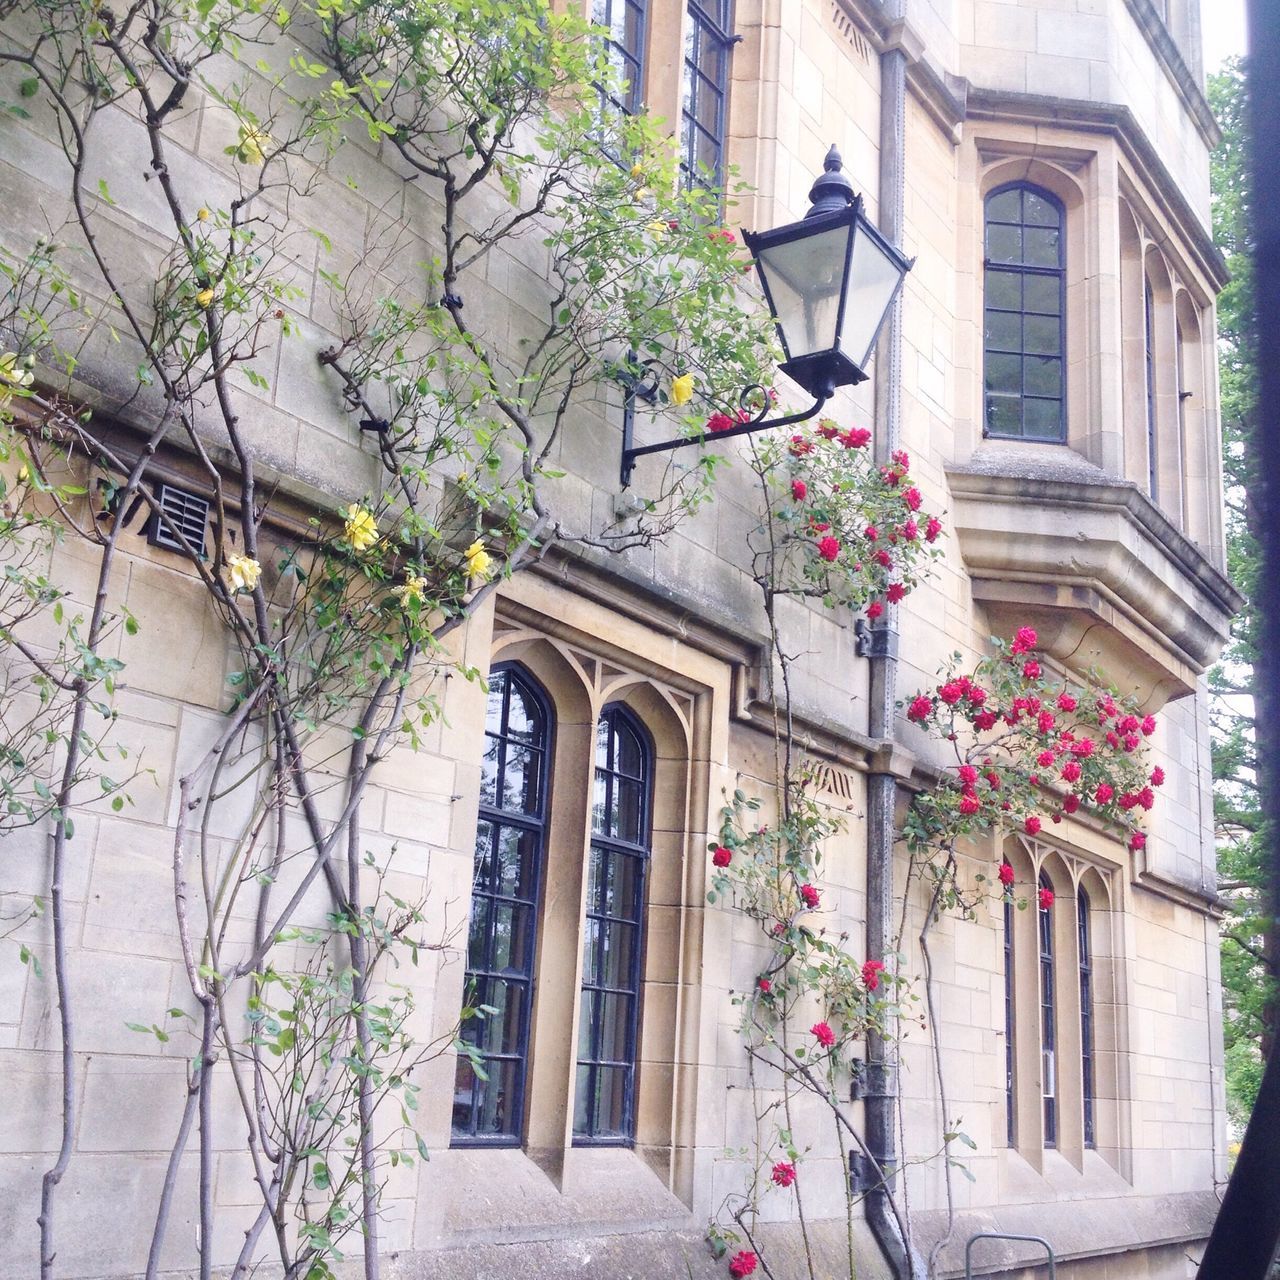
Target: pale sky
1223,24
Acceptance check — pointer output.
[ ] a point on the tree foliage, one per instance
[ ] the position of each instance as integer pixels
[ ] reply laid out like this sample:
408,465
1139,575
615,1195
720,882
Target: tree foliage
1249,939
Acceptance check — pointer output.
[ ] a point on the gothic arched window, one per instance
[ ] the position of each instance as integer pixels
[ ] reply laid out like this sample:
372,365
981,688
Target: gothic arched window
510,846
613,938
1024,317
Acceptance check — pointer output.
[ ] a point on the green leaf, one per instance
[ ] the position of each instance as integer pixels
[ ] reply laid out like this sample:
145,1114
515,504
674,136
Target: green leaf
29,88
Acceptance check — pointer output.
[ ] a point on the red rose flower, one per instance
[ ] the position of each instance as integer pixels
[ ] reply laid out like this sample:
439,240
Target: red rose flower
968,774
1083,747
1045,759
884,559
932,529
1066,702
1071,771
1045,899
872,533
1032,825
1024,640
912,498
896,593
874,610
1104,792
985,720
921,708
1146,797
1137,841
902,458
856,438
823,1034
1149,725
719,422
1131,741
742,1264
721,856
1006,874
828,430
1157,776
969,804
766,987
871,971
1031,670
810,896
976,695
1070,803
784,1173
910,530
829,548
799,446
951,692
798,490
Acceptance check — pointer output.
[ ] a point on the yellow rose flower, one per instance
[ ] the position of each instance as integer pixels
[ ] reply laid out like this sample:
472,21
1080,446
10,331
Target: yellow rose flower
682,389
361,528
637,170
657,228
253,145
14,372
479,561
413,591
245,572
204,298
202,215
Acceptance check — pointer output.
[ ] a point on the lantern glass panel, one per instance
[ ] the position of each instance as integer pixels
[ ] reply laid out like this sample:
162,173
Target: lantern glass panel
873,280
805,279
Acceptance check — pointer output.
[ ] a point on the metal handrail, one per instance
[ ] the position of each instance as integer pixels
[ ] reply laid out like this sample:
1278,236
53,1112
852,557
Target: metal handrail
1000,1235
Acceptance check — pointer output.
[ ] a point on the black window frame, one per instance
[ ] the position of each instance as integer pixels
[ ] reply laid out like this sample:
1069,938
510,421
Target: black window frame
1048,1020
1022,270
636,59
1084,933
478,980
611,846
717,28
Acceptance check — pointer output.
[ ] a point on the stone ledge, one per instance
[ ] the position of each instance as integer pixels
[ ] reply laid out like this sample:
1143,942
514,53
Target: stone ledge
1095,566
1077,1229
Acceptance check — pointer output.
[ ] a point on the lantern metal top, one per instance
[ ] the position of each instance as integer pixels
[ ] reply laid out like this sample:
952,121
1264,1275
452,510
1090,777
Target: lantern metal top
829,280
831,191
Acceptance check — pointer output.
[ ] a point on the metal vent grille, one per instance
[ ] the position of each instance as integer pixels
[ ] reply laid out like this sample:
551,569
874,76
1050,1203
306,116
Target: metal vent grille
188,511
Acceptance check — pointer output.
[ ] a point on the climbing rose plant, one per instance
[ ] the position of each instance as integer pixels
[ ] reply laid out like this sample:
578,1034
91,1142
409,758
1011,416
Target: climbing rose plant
1029,750
841,529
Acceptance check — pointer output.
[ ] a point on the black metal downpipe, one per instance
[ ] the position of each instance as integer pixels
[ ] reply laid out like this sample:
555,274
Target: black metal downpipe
880,1107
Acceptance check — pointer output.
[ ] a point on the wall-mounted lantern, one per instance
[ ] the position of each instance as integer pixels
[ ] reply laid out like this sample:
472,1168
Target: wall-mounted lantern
829,280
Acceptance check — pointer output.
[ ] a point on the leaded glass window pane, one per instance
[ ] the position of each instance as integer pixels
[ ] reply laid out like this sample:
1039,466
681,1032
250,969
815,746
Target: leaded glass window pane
1023,316
1086,1015
624,20
1009,1058
708,46
501,937
613,937
1048,1022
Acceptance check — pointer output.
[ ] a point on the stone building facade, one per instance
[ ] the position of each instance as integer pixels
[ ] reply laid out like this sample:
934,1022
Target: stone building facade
1068,429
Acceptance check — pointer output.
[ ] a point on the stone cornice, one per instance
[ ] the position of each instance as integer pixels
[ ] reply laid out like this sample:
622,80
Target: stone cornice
1152,26
1120,123
1096,567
